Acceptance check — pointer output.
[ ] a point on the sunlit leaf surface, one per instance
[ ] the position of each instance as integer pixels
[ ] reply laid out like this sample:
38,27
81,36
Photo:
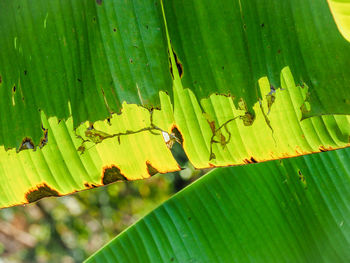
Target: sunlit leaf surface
293,210
94,92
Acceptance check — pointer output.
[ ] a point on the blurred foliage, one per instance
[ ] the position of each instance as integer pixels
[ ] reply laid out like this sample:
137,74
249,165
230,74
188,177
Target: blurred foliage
71,228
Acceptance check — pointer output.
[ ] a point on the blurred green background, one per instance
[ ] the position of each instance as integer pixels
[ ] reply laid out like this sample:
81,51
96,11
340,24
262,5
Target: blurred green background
71,228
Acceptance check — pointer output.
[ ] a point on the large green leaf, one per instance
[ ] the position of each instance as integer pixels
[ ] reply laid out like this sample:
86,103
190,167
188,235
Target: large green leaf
236,88
229,45
93,56
88,55
295,210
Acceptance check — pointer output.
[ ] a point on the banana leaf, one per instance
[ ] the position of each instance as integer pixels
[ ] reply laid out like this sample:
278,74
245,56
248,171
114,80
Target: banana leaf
293,210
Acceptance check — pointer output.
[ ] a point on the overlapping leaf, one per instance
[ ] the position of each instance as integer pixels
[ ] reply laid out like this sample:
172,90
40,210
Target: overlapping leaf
294,210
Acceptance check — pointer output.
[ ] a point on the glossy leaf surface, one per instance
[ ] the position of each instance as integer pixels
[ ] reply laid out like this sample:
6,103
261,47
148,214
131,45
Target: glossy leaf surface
89,89
294,210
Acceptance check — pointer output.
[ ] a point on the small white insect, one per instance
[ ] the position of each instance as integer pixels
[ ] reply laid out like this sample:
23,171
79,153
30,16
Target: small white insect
170,139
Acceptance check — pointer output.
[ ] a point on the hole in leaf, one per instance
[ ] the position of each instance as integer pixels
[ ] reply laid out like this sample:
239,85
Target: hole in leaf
27,143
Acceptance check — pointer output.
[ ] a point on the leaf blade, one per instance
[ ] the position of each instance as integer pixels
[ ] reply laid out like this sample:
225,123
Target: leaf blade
256,212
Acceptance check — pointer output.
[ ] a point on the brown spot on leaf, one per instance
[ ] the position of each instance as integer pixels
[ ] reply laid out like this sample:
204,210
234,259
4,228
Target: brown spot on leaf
0,79
81,149
112,174
323,149
248,119
99,2
302,178
305,107
96,136
212,126
151,170
39,192
253,160
222,140
248,161
88,185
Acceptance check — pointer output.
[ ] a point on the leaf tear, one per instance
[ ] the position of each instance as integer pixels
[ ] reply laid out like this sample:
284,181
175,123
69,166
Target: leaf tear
151,170
302,178
40,191
178,65
27,143
112,174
